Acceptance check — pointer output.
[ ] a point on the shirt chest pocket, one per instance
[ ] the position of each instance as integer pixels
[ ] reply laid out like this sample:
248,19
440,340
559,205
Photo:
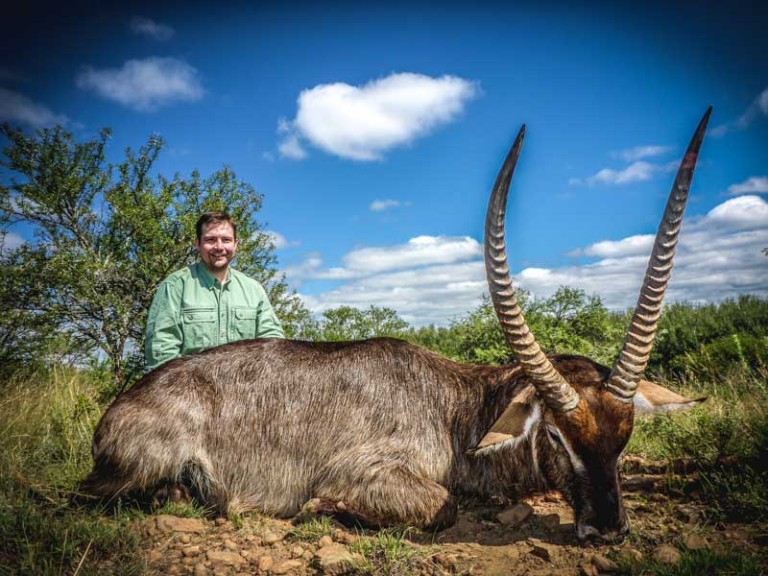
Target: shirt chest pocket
199,328
244,323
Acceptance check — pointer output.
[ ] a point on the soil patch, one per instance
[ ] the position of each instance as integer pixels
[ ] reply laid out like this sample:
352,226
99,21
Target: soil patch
486,540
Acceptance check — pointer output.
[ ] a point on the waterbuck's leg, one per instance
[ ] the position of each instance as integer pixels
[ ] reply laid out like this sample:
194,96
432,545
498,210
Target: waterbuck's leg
104,485
171,492
380,488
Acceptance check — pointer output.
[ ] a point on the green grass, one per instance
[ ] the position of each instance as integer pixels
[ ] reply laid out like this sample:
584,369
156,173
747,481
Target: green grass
698,563
725,440
312,530
388,553
733,422
188,510
46,425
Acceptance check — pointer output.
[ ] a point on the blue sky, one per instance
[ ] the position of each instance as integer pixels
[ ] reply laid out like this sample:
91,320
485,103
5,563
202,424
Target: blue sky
375,133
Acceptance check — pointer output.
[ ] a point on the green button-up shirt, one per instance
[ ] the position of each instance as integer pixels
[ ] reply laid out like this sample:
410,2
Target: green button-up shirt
192,311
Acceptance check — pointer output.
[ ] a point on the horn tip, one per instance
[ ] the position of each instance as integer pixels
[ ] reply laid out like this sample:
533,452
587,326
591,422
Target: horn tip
705,118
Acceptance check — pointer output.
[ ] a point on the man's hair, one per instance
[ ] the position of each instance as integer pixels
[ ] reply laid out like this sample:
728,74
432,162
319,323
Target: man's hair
213,217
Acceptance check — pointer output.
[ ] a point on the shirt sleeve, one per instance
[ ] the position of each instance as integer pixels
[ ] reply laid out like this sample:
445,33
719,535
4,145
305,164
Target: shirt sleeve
268,325
163,338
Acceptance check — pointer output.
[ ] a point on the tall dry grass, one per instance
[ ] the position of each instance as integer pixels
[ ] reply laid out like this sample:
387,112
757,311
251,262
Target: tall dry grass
46,425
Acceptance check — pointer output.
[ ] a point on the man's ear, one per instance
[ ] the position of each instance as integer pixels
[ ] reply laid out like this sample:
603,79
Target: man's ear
515,423
652,398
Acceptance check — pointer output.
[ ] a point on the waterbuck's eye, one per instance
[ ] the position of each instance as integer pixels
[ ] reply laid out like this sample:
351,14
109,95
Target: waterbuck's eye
554,436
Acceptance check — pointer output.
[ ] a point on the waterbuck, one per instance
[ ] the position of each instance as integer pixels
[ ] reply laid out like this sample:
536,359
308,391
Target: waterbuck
384,432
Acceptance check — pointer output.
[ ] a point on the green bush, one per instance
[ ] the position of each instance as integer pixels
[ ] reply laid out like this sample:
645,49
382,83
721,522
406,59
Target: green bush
744,351
704,339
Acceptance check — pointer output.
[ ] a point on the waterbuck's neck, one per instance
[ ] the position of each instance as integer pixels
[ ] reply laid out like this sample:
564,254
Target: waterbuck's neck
512,468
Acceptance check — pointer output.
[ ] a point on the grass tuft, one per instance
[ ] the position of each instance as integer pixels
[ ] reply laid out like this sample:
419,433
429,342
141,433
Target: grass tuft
183,510
388,553
312,530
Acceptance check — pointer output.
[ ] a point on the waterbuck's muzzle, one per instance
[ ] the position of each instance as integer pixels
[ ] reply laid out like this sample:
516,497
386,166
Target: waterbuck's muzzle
606,526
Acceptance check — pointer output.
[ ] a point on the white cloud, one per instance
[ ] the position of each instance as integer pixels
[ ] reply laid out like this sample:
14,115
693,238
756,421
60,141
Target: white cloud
10,241
381,205
280,241
291,148
432,294
752,185
308,268
431,280
364,122
150,28
630,246
639,171
718,256
419,251
639,152
414,254
742,212
635,172
17,108
144,85
758,107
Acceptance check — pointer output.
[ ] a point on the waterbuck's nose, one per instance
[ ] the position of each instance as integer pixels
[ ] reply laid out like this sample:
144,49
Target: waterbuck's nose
587,533
609,524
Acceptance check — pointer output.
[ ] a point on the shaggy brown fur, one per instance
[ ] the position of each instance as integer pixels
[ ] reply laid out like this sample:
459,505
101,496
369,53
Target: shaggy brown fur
384,426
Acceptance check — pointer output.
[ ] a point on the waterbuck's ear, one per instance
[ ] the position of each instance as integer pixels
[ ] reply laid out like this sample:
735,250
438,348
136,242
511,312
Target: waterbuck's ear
515,423
651,398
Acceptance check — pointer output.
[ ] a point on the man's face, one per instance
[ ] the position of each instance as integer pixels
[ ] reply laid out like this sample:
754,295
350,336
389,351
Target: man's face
217,246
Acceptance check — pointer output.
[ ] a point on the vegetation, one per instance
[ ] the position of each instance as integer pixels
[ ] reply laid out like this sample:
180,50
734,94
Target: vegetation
312,530
348,323
725,442
387,553
567,322
705,340
696,563
46,426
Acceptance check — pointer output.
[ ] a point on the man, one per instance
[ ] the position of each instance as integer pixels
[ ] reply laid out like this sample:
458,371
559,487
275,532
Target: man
208,303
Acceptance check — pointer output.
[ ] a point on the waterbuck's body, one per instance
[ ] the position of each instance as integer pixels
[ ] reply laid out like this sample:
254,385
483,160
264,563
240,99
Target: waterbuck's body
382,431
296,420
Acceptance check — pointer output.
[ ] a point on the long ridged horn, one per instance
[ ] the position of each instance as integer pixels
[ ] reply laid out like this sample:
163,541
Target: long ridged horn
551,386
642,331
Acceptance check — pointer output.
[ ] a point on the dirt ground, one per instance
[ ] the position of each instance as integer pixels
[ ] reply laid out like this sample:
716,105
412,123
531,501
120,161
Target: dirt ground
533,537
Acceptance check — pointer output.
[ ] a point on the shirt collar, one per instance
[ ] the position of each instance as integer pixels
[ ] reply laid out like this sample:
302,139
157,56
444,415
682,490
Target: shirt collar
207,279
